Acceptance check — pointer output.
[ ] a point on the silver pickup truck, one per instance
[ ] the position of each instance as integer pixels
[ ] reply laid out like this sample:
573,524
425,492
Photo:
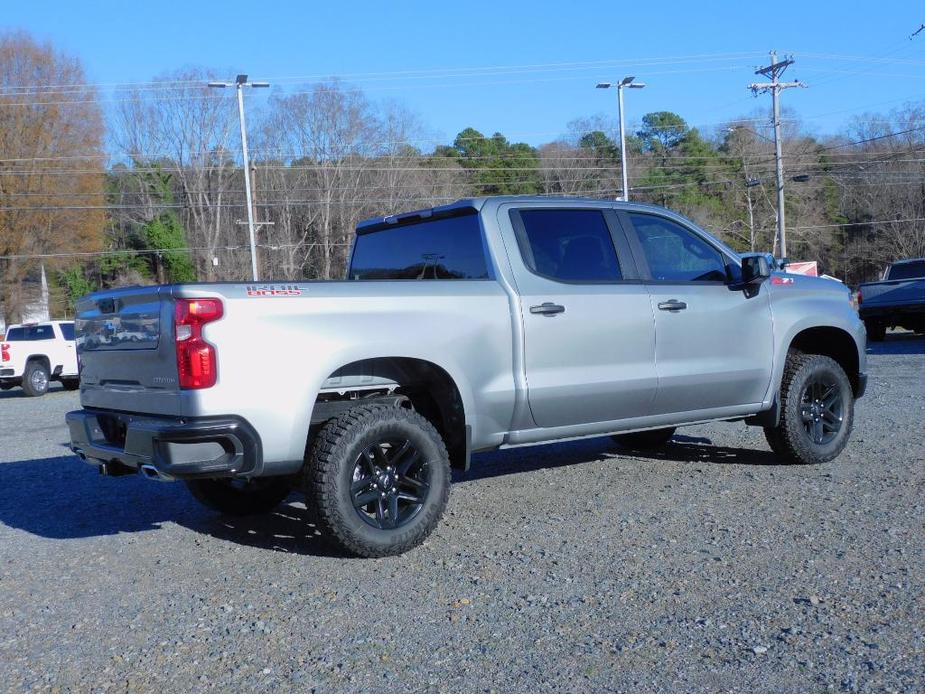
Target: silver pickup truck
484,324
897,300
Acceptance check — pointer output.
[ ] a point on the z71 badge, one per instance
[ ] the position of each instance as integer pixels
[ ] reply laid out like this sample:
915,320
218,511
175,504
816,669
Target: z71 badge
274,290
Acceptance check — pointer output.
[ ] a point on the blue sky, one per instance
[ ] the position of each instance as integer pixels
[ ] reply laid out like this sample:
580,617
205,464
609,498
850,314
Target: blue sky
462,64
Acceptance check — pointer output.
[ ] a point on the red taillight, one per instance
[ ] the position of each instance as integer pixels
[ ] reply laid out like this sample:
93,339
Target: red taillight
196,364
4,352
860,297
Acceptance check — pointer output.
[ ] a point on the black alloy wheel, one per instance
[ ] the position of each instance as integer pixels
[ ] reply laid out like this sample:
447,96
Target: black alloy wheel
822,409
390,485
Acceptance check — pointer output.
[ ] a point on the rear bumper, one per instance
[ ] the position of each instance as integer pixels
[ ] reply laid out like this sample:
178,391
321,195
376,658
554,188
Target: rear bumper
169,448
887,311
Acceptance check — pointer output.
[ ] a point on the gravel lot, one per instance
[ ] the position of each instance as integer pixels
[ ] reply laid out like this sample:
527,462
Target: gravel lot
704,567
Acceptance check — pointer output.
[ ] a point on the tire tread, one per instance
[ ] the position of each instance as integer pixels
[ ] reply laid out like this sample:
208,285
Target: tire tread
324,465
787,440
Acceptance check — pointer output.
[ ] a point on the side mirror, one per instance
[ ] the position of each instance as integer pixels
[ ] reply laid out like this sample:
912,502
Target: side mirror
755,268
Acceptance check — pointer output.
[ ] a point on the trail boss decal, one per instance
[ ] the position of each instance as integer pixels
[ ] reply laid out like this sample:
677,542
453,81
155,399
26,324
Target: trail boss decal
274,290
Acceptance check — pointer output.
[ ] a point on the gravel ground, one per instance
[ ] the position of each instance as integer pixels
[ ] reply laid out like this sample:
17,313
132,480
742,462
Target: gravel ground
707,566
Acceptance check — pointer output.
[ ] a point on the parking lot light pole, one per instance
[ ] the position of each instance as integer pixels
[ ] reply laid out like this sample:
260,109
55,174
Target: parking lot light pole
625,82
239,83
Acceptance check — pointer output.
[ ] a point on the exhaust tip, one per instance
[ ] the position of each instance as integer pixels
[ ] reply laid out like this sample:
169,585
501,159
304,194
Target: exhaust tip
152,473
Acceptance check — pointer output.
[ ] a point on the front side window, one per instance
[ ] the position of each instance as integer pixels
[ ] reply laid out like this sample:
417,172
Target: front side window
676,254
447,248
568,245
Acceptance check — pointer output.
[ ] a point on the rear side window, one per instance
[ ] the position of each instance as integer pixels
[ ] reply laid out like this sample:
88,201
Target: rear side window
67,329
448,248
30,333
676,254
568,245
907,271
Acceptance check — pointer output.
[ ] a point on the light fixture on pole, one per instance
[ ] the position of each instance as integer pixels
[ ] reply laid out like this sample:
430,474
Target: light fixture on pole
625,82
239,83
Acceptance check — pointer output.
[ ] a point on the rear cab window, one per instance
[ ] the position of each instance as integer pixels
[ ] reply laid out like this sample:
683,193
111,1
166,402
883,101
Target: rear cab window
67,331
907,271
444,248
30,333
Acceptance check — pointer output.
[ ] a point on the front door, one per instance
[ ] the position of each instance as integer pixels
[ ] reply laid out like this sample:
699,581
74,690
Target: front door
588,325
714,345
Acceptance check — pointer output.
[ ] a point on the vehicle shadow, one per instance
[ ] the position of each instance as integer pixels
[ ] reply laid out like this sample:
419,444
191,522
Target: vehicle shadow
63,498
17,392
898,343
681,448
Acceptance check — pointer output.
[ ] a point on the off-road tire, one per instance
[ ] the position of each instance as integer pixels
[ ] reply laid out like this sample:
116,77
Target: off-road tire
645,440
789,440
241,497
70,383
876,331
32,389
333,460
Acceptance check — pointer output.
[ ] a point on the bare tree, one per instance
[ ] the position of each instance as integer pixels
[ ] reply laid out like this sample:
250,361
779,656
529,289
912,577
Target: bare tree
179,126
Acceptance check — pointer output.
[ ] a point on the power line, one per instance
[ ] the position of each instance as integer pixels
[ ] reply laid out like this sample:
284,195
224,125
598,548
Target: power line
212,249
425,72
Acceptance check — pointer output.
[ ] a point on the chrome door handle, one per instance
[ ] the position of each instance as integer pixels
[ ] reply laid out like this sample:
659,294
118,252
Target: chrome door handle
548,309
672,305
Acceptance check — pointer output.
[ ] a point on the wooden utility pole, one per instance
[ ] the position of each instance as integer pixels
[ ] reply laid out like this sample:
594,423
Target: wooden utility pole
775,86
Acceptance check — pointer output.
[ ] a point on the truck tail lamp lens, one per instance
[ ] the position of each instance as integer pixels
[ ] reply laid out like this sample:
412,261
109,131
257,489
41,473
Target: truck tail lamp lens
4,352
196,362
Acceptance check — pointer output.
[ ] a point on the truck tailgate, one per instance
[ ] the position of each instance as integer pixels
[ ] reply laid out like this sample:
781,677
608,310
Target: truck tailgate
893,292
126,351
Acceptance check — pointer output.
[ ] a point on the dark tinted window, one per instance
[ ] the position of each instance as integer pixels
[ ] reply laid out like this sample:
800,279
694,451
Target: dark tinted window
67,329
568,245
676,254
907,271
442,249
29,333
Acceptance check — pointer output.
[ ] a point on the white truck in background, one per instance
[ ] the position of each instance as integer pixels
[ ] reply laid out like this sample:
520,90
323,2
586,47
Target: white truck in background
34,354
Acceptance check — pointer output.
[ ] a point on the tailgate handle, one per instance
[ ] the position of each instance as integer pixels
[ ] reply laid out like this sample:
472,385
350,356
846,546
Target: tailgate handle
548,309
672,305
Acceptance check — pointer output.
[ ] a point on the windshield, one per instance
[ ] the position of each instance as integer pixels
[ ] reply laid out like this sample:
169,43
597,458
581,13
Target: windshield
907,271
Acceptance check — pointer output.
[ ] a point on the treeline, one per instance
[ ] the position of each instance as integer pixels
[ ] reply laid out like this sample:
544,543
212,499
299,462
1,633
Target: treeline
154,192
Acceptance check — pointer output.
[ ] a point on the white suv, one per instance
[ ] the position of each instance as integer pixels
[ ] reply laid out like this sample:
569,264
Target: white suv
34,354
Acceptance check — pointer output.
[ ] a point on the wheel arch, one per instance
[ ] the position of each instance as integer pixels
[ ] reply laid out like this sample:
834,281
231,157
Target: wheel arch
42,359
429,387
832,342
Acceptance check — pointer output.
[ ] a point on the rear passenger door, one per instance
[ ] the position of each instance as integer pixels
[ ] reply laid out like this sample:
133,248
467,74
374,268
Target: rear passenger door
589,338
714,345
